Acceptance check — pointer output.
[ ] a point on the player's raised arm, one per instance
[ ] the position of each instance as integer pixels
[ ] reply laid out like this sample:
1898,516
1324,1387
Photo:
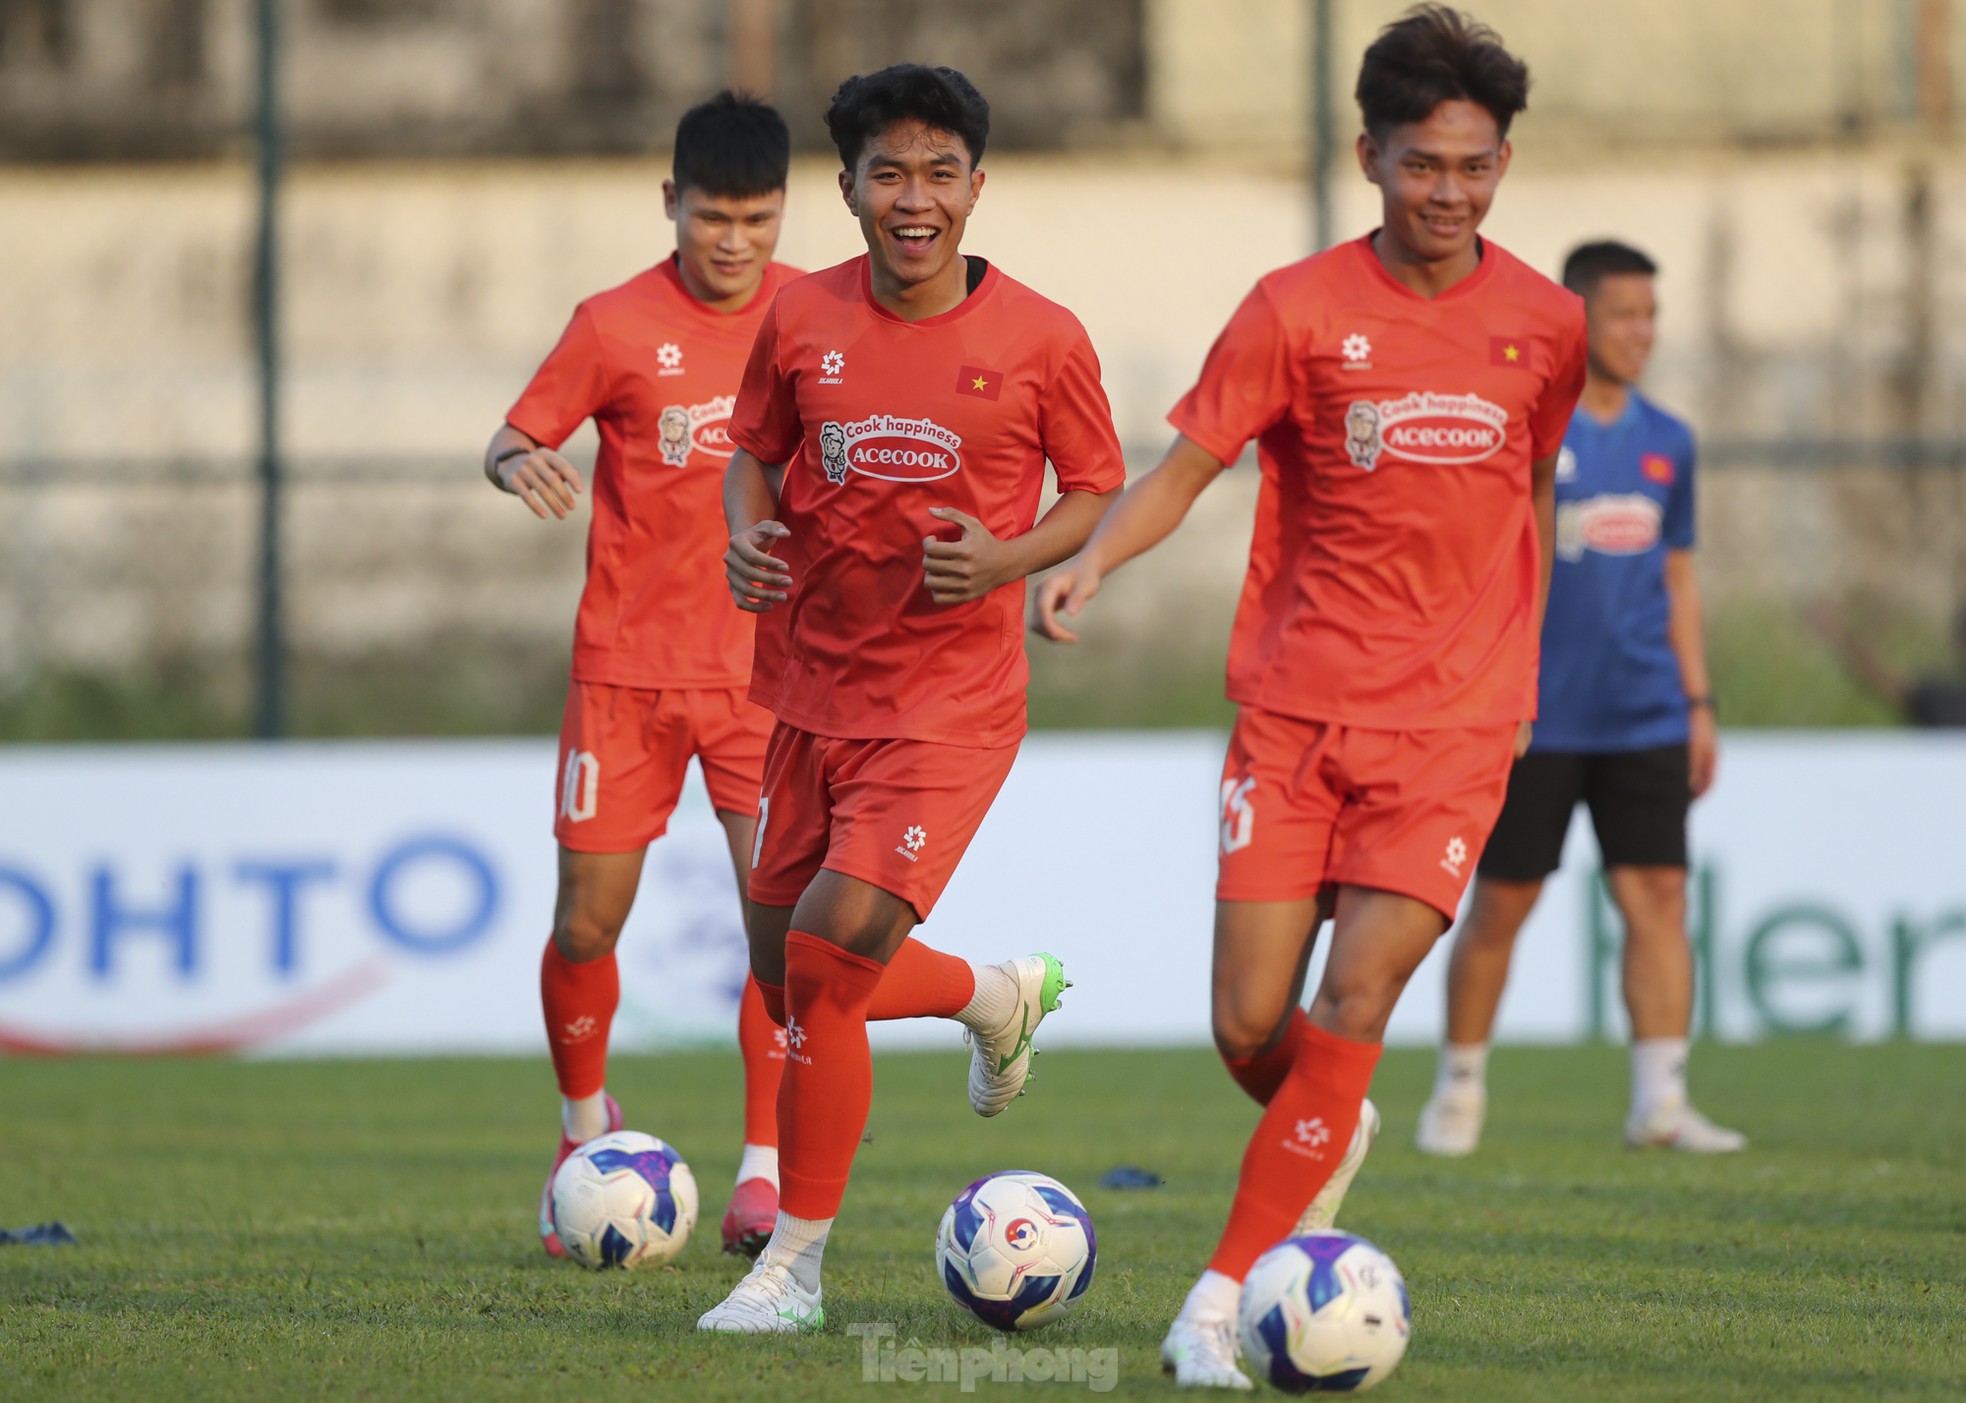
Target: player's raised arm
757,579
535,474
1145,515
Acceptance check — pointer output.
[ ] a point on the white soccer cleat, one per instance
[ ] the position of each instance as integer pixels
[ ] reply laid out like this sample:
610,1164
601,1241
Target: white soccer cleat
768,1301
1450,1122
1675,1125
1323,1212
1200,1351
1000,1060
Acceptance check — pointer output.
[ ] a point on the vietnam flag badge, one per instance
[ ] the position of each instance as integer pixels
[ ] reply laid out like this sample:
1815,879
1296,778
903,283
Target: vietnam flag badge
1657,467
978,383
1511,351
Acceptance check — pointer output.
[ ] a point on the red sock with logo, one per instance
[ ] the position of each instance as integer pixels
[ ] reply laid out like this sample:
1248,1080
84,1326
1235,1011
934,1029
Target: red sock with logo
922,982
1304,1132
829,1073
762,1042
1262,1074
580,1000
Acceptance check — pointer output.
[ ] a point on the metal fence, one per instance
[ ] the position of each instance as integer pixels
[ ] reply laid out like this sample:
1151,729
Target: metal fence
1803,204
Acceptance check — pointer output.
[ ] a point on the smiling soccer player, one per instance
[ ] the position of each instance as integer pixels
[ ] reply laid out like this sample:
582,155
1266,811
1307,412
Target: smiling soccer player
892,432
660,658
1408,393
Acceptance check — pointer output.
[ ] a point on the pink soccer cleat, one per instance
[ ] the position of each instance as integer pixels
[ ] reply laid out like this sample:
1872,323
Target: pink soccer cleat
752,1214
548,1238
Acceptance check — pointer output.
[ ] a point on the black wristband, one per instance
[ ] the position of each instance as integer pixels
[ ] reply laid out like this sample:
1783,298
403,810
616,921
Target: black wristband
1704,700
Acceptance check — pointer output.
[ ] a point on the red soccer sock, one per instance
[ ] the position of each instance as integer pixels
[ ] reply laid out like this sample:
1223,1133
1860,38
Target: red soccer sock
922,982
1303,1134
771,998
1262,1074
829,1073
579,1000
762,1043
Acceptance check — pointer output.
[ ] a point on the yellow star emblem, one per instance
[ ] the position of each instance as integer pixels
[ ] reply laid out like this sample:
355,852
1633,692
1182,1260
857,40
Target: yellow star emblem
1512,354
979,383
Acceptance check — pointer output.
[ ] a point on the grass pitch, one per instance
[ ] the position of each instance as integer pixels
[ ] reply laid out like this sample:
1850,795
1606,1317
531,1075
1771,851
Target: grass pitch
364,1229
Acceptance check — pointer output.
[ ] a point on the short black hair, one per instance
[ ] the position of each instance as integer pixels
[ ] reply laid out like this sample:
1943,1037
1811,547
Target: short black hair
1589,264
940,97
732,144
1434,54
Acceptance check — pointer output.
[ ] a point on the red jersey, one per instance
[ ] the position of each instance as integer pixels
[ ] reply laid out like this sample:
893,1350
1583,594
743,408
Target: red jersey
1393,572
878,420
657,371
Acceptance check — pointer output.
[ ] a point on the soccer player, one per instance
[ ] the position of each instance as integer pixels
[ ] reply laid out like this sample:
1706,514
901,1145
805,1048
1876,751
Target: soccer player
1625,723
661,659
892,432
1407,392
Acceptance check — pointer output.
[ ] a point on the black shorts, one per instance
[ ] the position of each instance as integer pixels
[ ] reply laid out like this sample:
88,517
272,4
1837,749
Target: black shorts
1638,801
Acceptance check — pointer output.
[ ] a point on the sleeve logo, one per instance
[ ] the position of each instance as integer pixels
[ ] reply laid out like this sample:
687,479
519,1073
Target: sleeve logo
890,448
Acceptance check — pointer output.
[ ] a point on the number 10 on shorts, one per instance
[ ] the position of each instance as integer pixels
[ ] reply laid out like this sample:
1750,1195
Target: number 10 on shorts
580,786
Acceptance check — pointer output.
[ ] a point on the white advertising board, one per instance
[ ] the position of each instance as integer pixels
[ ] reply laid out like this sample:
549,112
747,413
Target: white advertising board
394,897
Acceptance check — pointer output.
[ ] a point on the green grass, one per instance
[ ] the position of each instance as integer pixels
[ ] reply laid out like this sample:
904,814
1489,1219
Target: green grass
363,1229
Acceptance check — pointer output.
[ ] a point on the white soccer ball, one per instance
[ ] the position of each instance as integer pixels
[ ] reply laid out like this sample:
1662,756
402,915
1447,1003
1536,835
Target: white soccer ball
1016,1249
1325,1312
623,1199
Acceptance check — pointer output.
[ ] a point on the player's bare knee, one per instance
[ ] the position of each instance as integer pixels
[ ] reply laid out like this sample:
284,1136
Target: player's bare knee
581,936
1356,1010
1239,1039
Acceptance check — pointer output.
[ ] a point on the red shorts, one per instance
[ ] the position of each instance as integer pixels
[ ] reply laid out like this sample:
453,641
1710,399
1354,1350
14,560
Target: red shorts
624,751
898,814
1310,805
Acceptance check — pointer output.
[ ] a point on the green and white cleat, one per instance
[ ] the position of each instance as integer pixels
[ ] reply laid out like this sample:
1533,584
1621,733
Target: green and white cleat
1000,1060
1322,1215
768,1301
1200,1351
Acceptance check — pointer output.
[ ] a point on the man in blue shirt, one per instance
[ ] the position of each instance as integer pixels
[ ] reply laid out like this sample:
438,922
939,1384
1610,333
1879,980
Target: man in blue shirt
1625,724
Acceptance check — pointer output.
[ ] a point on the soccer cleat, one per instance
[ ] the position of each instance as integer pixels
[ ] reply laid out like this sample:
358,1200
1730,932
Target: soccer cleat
1000,1060
548,1237
768,1301
1450,1122
1675,1125
752,1214
1323,1212
1200,1351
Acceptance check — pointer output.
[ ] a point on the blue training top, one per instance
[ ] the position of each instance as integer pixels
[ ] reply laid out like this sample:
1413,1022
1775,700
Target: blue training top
1624,496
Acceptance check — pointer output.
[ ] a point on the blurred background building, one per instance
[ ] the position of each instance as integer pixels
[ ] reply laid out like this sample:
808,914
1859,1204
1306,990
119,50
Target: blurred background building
461,172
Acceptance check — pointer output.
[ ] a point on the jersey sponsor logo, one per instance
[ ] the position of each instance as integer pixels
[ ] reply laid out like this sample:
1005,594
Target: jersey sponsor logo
889,447
669,357
1424,427
704,428
1626,523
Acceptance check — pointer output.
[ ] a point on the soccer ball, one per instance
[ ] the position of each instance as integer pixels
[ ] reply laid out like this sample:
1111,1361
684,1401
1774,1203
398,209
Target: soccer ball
623,1199
1326,1312
1016,1249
